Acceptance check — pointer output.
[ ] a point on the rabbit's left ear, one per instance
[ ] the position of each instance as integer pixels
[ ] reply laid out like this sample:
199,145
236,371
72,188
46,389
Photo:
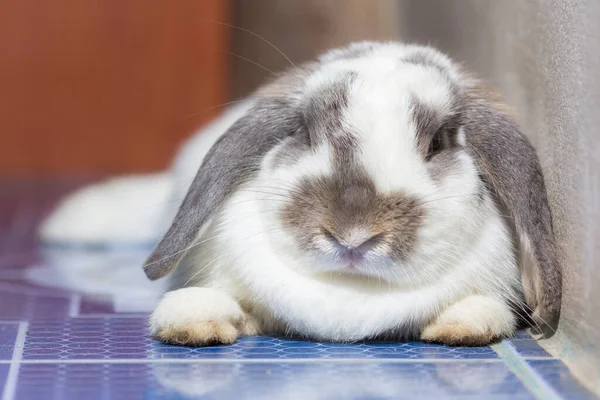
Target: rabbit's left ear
234,159
510,168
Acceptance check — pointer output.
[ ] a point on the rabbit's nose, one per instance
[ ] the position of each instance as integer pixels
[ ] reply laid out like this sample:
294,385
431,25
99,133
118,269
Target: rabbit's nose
352,256
354,240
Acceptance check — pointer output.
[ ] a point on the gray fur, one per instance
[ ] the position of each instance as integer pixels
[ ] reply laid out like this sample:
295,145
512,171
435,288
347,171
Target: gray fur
322,122
323,115
509,166
427,120
291,149
234,159
323,111
443,164
423,58
355,50
431,124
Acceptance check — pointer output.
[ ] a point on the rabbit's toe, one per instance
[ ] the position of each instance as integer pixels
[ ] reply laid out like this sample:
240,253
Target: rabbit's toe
199,317
473,321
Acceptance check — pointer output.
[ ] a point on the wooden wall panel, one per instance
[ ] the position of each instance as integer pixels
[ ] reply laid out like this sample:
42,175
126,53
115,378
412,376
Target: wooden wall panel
105,86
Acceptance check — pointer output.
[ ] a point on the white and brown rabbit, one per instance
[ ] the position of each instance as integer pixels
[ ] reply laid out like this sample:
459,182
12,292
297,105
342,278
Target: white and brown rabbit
378,192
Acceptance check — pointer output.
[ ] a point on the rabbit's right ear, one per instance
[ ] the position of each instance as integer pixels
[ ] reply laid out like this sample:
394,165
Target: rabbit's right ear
234,159
509,167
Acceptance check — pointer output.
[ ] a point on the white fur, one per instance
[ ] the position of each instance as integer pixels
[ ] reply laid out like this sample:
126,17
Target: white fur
478,314
136,208
465,249
186,307
127,209
379,115
349,308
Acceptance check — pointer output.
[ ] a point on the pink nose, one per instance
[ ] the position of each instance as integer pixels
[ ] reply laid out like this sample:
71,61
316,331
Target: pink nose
351,256
353,245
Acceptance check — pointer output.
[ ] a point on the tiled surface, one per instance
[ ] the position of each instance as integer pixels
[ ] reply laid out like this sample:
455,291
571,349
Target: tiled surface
557,373
117,338
8,336
4,368
526,346
57,343
271,381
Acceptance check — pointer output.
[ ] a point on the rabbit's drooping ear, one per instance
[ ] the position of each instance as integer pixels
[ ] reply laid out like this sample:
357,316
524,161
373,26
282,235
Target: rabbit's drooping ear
510,168
233,159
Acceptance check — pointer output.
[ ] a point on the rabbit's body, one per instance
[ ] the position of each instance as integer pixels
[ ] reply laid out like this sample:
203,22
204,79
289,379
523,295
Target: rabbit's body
238,260
375,193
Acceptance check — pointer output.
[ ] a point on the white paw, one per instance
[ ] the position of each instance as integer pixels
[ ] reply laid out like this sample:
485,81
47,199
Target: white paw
199,317
473,321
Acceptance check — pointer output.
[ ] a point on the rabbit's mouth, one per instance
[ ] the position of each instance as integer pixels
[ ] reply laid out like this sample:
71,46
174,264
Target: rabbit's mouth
351,257
353,248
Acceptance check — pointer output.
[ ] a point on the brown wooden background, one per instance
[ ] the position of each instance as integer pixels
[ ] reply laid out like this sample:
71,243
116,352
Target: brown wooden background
105,86
108,86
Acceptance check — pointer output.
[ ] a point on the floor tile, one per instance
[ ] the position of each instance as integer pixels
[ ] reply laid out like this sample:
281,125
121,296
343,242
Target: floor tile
555,374
126,338
527,346
270,381
8,336
4,368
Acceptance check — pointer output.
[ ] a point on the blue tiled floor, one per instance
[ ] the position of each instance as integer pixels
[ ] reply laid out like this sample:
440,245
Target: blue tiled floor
59,344
272,381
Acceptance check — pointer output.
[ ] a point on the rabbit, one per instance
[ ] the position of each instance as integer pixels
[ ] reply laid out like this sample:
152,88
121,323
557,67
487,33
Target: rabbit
377,192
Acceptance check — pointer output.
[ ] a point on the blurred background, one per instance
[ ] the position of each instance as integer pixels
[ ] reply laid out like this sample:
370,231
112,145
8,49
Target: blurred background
96,88
105,87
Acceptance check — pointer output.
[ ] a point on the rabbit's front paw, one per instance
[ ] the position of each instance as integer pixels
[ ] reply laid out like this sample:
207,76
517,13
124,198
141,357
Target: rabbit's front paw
199,317
473,321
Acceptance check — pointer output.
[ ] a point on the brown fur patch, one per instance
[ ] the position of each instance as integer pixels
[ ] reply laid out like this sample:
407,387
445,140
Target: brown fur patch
200,334
335,205
457,334
208,333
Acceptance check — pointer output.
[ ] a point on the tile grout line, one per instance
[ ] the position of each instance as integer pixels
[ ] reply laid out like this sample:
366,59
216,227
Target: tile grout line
263,361
260,361
115,316
525,372
10,386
